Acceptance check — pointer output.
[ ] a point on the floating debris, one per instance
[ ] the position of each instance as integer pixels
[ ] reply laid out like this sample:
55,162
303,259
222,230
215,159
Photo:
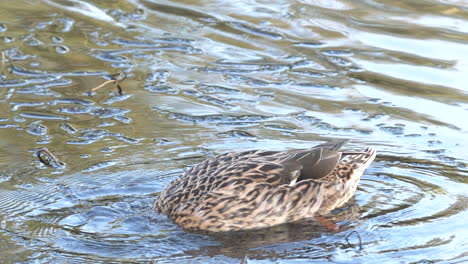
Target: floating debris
359,237
115,78
50,160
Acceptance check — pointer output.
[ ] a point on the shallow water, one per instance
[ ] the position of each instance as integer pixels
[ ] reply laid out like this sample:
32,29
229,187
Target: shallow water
205,77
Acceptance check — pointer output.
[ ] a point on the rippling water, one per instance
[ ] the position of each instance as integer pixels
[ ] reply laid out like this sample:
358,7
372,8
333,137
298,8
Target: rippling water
205,77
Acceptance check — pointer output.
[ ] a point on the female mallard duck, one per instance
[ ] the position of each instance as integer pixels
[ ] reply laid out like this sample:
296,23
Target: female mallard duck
258,188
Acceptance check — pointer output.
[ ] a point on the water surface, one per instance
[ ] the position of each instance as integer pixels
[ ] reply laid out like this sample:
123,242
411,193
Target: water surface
205,77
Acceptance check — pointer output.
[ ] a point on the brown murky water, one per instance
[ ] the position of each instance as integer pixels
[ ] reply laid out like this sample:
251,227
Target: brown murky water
206,77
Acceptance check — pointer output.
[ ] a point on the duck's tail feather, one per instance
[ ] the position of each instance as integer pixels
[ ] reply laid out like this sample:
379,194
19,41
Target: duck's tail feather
363,158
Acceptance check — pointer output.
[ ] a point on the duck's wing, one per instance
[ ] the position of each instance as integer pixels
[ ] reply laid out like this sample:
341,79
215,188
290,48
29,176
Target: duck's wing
314,163
317,162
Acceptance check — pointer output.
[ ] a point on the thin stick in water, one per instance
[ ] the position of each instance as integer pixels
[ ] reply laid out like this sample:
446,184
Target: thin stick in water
115,78
359,237
102,85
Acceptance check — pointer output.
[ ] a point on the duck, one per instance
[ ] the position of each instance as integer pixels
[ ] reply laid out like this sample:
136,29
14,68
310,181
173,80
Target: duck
256,189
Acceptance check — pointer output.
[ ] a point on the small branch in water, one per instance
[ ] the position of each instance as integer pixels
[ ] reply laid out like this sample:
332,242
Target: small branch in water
102,85
359,236
47,158
115,78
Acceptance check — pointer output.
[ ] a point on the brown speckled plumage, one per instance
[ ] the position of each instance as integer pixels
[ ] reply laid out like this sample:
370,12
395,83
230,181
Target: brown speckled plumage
256,189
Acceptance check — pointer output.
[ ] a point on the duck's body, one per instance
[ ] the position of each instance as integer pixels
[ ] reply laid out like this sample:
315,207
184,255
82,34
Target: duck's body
256,189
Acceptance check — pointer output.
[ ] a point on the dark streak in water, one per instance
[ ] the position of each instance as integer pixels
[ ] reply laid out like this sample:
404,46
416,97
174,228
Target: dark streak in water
43,116
42,89
309,44
237,134
116,55
253,81
9,125
108,112
17,105
215,101
23,82
75,110
161,89
100,165
71,101
153,42
25,72
217,119
232,68
218,89
253,30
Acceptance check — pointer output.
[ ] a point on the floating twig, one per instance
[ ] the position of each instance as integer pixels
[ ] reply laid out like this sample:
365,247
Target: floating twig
47,158
102,85
115,78
359,237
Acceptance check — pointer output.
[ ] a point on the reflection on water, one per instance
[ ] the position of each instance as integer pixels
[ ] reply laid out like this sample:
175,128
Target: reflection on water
204,77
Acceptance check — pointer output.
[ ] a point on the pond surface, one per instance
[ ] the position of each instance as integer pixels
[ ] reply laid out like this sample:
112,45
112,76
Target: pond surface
206,77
